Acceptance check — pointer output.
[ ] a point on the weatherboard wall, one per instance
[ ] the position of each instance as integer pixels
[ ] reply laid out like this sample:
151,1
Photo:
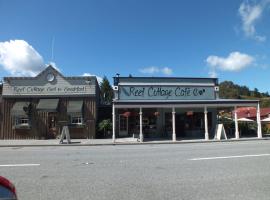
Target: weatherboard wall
57,88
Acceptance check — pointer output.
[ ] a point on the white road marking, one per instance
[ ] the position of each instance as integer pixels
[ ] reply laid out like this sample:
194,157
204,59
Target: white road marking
19,165
227,157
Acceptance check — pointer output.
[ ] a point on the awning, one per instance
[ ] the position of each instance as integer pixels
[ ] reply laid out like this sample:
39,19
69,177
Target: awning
20,108
75,106
245,120
49,105
217,103
266,119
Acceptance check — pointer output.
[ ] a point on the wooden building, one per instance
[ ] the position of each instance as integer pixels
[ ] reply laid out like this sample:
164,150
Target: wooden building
1,116
37,107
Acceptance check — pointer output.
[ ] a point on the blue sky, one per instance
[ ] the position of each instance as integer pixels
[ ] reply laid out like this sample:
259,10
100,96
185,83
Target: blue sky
228,39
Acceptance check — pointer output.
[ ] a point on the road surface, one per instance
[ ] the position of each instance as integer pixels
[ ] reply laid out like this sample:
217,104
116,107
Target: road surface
233,170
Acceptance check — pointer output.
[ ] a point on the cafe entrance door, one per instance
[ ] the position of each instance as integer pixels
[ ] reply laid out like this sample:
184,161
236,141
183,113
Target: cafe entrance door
52,128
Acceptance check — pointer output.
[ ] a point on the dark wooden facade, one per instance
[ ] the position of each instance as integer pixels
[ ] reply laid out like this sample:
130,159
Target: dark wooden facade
1,108
41,121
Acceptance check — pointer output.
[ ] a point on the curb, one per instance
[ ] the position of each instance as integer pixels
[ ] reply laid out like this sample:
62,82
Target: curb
133,143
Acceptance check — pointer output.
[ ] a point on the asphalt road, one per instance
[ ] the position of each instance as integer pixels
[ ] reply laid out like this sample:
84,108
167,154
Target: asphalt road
235,170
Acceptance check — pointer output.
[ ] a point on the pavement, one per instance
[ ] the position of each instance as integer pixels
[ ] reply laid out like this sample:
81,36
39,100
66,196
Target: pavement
205,171
119,141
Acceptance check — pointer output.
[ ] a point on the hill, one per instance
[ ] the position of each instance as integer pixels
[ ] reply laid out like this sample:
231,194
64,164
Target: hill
229,90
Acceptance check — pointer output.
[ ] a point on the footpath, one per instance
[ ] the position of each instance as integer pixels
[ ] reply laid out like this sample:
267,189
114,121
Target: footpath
120,141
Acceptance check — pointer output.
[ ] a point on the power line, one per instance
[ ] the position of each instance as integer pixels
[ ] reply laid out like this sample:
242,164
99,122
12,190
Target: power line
52,56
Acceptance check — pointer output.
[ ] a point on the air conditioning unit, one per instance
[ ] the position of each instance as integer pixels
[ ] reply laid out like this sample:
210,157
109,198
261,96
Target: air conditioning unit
216,88
115,87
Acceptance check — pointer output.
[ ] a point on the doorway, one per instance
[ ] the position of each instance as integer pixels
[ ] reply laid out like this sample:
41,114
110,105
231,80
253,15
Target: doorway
123,126
180,125
52,128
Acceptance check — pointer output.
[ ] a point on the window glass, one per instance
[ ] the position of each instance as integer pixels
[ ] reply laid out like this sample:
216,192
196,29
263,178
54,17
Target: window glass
77,120
22,121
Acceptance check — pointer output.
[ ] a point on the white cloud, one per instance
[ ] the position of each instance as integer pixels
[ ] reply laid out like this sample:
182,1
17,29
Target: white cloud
149,70
53,64
19,58
235,61
99,79
154,70
212,73
166,71
250,15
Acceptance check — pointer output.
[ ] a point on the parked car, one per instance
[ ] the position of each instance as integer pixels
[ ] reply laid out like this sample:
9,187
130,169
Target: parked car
7,190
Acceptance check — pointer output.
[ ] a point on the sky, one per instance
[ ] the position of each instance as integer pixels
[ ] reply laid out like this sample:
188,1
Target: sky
227,39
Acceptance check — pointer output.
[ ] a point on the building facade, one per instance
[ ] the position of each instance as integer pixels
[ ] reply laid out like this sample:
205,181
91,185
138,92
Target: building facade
1,114
37,107
174,108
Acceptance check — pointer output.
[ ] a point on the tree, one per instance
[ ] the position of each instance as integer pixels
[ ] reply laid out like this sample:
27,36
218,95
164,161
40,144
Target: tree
106,91
229,90
256,93
265,103
105,126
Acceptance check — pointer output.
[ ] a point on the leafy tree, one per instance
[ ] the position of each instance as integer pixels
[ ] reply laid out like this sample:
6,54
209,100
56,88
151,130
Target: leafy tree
106,91
265,103
228,90
105,126
265,94
244,90
256,93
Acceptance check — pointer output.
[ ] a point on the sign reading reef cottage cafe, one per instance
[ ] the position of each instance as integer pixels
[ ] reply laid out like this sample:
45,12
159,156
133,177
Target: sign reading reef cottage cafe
166,92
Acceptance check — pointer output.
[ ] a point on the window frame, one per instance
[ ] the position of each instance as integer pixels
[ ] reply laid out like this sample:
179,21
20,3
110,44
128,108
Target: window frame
22,122
78,118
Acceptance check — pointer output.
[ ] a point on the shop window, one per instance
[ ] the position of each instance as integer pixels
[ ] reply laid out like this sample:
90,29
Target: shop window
76,120
22,122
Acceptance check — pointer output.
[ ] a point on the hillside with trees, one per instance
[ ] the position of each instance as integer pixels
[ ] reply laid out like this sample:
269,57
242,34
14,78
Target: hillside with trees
229,90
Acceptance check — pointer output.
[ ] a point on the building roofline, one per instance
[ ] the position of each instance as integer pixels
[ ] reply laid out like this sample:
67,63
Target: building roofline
188,101
43,71
162,77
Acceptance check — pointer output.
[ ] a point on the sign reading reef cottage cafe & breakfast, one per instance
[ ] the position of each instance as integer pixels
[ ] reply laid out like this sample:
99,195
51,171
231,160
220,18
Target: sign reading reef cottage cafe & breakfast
49,83
48,89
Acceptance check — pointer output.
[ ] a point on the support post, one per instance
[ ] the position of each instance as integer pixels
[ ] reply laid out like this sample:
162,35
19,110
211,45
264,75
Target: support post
141,126
173,125
236,123
113,123
206,134
259,125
